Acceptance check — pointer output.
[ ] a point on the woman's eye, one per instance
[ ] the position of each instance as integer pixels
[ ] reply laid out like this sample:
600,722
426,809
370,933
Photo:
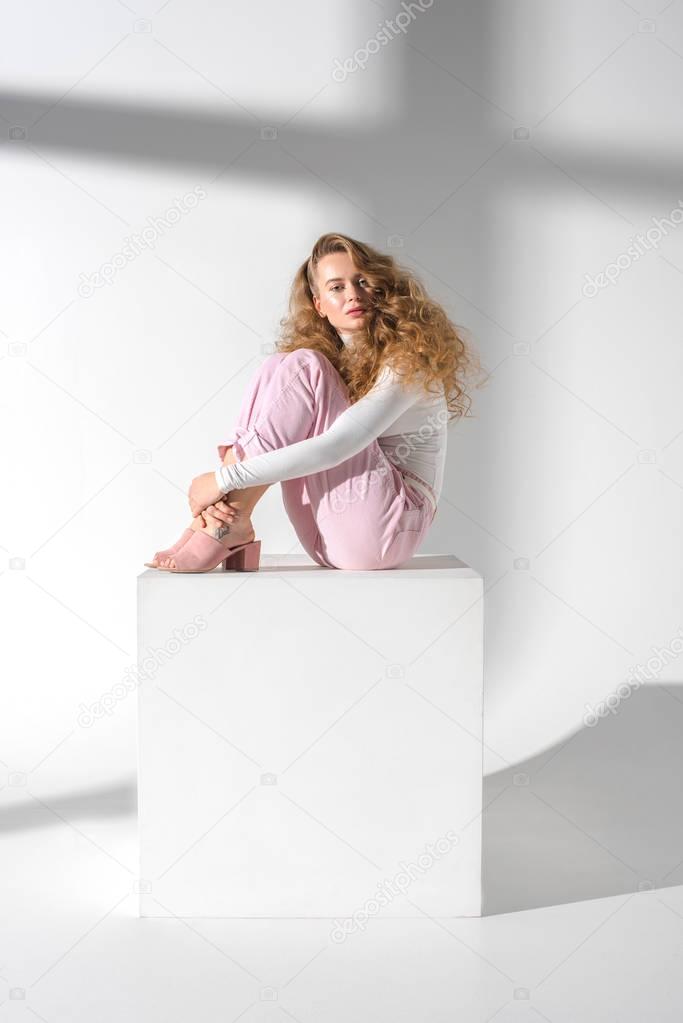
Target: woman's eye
335,287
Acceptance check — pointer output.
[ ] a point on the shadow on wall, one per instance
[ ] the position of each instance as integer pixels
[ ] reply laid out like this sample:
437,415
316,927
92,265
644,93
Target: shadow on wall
596,815
88,804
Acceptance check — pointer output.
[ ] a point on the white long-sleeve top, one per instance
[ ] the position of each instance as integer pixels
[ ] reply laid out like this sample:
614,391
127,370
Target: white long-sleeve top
409,424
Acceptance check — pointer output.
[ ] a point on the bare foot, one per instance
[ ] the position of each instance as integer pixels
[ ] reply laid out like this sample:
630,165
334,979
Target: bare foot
238,531
197,523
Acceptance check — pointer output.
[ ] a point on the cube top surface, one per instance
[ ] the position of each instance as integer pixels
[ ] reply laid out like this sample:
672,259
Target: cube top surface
439,565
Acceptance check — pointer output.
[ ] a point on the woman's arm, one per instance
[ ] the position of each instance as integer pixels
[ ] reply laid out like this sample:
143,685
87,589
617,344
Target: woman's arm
352,431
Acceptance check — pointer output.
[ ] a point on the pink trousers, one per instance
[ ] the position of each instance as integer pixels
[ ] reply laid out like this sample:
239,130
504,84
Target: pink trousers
361,514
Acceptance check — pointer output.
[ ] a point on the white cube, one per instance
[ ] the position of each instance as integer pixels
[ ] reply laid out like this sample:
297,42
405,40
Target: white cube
310,741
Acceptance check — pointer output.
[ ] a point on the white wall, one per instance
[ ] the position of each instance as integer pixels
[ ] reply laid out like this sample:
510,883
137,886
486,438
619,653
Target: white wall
112,401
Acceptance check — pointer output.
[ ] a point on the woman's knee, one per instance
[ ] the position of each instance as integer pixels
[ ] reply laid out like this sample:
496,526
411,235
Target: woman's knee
273,359
296,361
308,356
290,364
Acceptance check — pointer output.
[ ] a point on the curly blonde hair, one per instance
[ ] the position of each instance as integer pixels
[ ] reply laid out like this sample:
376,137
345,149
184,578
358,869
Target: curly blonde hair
406,329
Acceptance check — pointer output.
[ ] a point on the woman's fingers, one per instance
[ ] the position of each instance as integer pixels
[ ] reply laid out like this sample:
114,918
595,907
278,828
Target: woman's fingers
222,511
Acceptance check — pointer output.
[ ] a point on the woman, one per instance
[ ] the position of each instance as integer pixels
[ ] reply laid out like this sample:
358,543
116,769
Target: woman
349,415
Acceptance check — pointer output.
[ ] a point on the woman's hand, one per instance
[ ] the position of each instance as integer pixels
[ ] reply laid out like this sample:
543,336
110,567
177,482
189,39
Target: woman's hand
223,511
203,492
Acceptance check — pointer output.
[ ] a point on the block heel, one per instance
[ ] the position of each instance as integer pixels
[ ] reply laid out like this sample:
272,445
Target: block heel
245,558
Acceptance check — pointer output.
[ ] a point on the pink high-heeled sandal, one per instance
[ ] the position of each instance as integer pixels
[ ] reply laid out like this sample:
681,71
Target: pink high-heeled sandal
171,550
202,553
188,533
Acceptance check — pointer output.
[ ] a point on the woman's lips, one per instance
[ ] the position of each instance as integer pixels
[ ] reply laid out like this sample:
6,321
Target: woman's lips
357,312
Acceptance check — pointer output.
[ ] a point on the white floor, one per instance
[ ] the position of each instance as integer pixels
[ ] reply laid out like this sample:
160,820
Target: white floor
584,903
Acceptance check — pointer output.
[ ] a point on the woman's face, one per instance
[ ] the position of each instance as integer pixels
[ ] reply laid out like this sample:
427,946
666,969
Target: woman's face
344,296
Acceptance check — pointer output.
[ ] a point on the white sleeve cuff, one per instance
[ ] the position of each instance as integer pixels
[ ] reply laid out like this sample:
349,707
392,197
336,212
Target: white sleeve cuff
220,482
